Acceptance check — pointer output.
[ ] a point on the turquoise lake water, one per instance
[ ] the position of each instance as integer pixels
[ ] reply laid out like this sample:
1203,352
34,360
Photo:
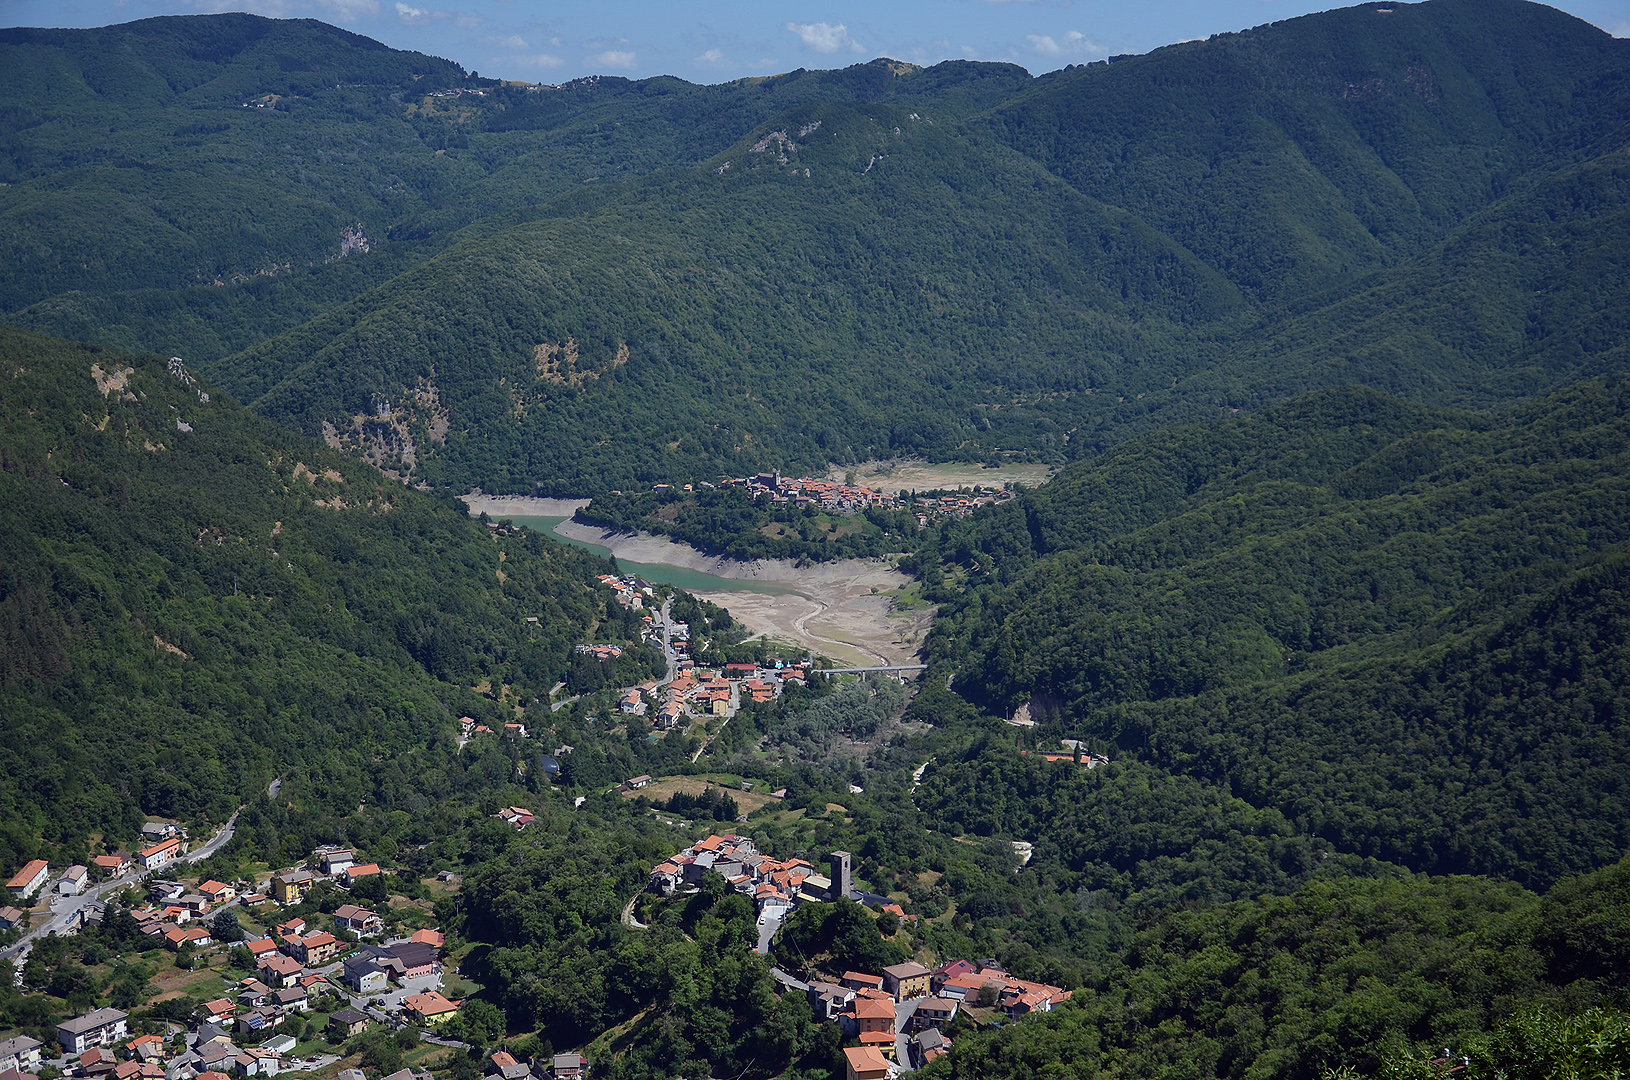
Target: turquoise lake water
678,576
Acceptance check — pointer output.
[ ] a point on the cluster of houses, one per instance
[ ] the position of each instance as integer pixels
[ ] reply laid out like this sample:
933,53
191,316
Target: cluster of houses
335,864
98,1045
709,692
94,1041
165,844
899,1017
631,592
283,985
504,1066
469,729
802,492
775,886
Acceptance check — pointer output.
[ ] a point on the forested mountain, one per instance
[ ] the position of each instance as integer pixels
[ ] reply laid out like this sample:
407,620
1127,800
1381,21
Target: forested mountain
1326,321
607,283
1403,630
193,602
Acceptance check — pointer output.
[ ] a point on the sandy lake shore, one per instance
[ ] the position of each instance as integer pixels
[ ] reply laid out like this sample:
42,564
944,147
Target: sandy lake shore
842,609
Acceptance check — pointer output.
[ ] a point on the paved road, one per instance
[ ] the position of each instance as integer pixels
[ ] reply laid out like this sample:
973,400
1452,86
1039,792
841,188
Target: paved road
216,842
65,910
667,643
64,913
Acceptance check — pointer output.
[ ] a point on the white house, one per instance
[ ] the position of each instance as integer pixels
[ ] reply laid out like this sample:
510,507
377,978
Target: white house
29,879
73,881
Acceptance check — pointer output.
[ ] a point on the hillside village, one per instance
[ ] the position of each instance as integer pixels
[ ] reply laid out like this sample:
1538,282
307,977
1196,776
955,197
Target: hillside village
897,1016
843,498
284,982
337,973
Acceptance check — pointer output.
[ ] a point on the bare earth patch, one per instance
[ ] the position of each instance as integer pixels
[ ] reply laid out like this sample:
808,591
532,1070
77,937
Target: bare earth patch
837,609
837,616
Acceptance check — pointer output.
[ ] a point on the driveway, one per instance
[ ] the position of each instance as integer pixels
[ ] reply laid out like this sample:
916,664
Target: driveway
768,924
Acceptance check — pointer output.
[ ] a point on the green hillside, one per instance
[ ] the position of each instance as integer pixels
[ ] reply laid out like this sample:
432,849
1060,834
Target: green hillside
978,265
929,304
1298,155
193,602
748,314
1347,975
1400,629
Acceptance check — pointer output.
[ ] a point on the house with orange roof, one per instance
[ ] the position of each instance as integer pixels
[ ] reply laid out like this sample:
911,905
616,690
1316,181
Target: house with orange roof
316,949
217,892
146,1047
112,865
353,874
434,938
865,1063
430,1007
29,879
260,947
214,1012
873,1016
160,854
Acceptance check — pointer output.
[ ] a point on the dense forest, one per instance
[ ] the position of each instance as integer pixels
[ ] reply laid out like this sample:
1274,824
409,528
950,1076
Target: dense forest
194,602
606,284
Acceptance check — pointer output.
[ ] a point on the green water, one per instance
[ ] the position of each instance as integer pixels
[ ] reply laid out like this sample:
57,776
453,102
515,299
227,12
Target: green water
678,576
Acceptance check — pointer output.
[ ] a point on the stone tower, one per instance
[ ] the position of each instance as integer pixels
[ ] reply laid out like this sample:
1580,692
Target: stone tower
840,874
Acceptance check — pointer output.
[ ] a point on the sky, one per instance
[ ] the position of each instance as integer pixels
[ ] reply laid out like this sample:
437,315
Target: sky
709,41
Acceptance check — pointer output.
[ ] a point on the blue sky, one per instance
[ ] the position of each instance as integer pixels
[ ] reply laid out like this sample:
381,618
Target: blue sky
716,40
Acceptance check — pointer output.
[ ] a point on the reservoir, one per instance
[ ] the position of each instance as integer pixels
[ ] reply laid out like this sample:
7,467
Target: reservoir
680,577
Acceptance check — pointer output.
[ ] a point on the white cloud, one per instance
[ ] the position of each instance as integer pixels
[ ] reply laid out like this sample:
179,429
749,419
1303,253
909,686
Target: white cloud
513,41
612,58
414,16
825,38
1619,28
712,58
541,60
1074,44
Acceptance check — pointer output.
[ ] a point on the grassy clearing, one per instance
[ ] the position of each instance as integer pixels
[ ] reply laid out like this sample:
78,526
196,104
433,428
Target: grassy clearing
662,790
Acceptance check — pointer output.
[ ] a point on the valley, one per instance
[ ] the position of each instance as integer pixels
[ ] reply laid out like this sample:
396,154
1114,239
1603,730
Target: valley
1228,445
